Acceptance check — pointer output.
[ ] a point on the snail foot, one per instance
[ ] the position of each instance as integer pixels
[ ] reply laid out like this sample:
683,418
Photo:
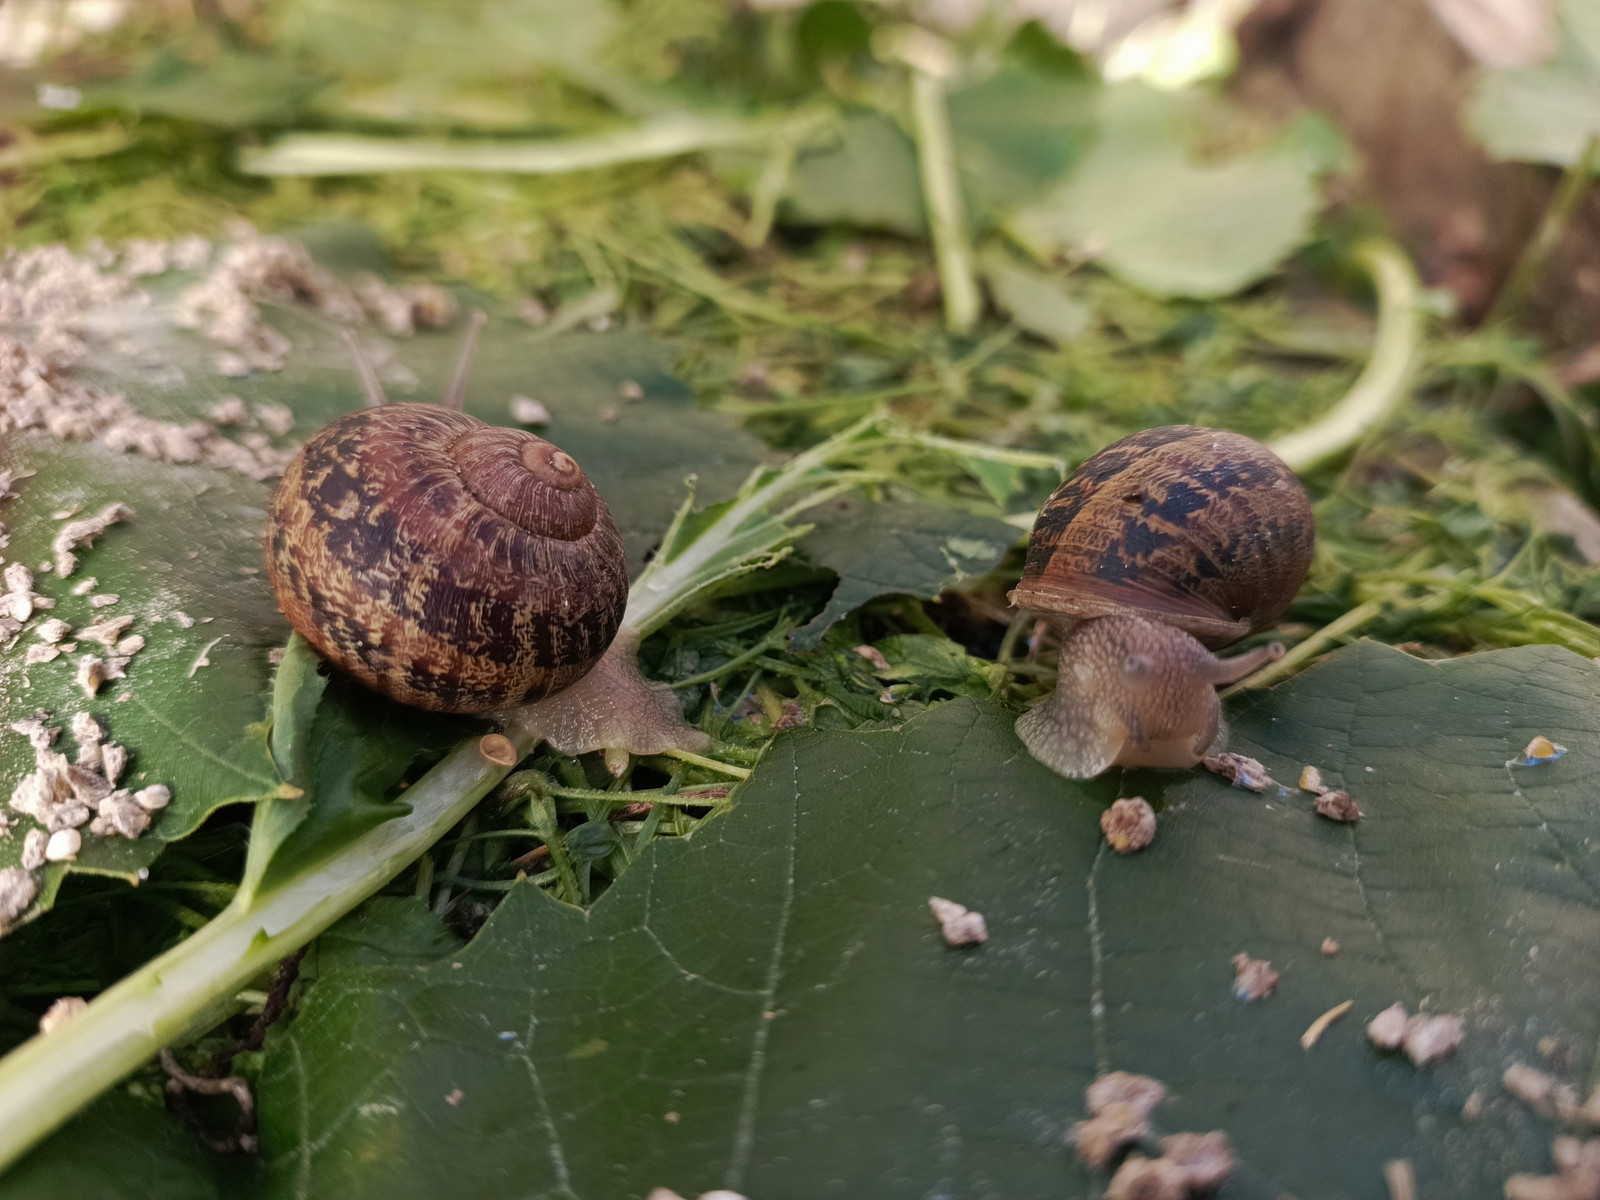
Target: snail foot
613,709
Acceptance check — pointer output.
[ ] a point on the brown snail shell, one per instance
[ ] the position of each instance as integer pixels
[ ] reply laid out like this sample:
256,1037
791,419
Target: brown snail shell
448,564
1200,529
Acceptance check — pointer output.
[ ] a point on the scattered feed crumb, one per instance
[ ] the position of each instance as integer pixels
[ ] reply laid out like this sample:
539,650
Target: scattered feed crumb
1118,1087
105,600
631,391
183,619
82,533
874,656
609,414
1243,770
1401,1178
129,646
230,410
1114,1126
1254,978
63,845
112,759
1330,946
1388,1029
1311,781
454,1097
84,586
41,654
959,924
1540,1091
62,1011
1430,1038
1129,824
52,631
153,798
1205,1159
497,748
33,849
1337,806
525,410
1119,1104
1577,1164
276,419
120,814
1141,1178
1472,1108
1317,1028
17,890
90,675
105,631
400,309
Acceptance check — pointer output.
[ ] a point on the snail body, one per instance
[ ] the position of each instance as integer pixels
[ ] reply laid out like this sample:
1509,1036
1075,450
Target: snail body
448,564
1168,542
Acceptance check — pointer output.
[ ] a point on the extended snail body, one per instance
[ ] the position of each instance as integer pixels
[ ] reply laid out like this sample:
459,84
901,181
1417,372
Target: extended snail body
446,563
1169,541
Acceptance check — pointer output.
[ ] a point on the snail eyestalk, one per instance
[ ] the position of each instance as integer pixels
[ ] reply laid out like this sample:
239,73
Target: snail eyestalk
456,397
370,383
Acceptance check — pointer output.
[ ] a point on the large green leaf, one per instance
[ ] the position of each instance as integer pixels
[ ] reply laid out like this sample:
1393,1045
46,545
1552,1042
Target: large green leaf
1141,204
1546,112
192,550
768,1006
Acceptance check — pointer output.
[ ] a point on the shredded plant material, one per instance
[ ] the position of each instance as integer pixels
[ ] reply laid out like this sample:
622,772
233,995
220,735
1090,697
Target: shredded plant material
959,925
1254,978
1129,825
1317,1028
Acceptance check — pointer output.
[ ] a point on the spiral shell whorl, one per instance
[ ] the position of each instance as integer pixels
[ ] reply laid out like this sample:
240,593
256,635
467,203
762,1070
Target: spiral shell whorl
1201,529
445,563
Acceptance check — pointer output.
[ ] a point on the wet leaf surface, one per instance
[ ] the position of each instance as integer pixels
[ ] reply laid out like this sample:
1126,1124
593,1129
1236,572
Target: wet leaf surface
768,1006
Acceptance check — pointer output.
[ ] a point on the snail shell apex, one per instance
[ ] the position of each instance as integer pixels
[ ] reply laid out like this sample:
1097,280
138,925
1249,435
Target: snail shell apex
1200,529
445,563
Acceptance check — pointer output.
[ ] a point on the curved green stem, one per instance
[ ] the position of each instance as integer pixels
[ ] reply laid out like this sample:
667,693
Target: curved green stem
1386,379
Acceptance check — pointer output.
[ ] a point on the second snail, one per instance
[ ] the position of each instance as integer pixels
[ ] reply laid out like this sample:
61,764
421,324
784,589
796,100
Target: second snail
1157,550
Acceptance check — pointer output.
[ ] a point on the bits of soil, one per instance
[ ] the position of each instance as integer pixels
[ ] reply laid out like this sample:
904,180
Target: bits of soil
1129,825
1253,978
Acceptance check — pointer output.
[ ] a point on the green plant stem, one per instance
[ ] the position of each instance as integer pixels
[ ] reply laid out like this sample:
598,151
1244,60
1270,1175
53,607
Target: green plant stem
1385,381
941,193
350,154
1330,633
195,984
1536,254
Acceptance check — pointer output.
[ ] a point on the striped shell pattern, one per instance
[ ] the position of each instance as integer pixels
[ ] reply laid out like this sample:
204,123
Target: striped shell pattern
1203,530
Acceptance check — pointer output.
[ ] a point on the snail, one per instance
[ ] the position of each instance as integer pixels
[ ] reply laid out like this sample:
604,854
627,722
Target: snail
1168,542
462,567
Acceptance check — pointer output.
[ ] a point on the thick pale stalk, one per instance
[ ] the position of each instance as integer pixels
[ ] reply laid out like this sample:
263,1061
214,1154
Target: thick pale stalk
47,1079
